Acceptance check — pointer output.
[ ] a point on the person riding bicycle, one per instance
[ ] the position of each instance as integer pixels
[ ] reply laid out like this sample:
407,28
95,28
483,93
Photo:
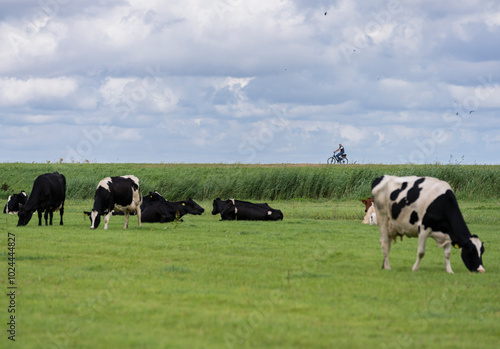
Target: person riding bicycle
340,151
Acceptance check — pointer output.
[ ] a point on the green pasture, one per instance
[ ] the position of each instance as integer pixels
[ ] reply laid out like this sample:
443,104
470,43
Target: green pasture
310,281
313,280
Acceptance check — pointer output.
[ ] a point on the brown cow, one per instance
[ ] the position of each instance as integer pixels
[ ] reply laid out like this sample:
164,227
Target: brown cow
368,202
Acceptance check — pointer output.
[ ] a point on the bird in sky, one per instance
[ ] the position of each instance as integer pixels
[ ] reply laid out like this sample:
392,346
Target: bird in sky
326,13
472,111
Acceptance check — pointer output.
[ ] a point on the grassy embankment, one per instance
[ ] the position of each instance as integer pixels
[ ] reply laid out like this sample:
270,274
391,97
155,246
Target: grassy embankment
310,281
260,182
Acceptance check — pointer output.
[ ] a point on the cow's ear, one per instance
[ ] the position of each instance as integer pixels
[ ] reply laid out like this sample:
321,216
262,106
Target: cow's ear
85,213
183,204
456,245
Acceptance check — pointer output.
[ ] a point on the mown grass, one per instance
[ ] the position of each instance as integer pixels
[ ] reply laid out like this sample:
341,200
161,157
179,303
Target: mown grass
310,281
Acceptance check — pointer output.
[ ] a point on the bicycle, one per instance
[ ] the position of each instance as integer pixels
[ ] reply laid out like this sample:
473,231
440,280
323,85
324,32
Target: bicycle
333,160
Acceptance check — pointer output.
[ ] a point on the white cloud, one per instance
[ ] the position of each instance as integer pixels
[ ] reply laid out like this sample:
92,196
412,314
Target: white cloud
213,76
14,92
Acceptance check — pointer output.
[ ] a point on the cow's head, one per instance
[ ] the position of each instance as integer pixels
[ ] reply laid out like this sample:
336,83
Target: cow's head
472,254
95,218
24,216
215,205
275,215
192,207
155,196
368,202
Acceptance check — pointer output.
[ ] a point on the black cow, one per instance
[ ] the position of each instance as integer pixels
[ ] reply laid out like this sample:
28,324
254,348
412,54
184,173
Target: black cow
116,193
12,206
162,211
153,196
48,194
424,207
243,210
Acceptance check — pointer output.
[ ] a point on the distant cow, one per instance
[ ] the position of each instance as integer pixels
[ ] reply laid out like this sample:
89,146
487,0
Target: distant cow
368,203
423,206
12,206
162,211
116,193
243,210
370,216
48,194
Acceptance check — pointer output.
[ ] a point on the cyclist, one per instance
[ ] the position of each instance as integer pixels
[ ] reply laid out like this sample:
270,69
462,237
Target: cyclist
341,152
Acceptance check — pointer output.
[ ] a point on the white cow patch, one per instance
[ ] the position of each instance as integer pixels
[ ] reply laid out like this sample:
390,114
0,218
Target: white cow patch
93,216
369,213
104,183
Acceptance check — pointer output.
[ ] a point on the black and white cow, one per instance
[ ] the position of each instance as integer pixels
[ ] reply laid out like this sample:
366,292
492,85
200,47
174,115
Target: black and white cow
48,194
153,196
162,211
116,193
243,210
12,206
424,207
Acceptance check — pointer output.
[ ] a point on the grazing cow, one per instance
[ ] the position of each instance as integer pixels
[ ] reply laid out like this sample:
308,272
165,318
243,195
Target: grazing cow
12,206
424,207
243,210
162,211
116,193
48,194
370,216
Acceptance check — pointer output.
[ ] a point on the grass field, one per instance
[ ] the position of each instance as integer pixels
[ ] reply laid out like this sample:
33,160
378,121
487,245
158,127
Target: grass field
312,280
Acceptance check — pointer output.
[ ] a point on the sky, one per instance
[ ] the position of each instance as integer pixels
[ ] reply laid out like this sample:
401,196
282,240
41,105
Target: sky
240,81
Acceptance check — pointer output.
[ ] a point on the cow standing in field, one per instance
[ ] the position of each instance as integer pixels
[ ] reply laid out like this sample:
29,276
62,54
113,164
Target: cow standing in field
243,210
424,207
12,206
48,194
116,193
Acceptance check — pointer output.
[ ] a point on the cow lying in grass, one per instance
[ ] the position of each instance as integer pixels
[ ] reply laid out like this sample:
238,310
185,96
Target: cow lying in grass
158,210
14,201
232,209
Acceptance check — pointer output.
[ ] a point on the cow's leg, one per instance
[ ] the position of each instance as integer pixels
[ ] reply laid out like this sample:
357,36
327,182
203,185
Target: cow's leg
51,215
447,252
139,215
422,238
127,215
385,243
61,211
46,216
106,219
40,217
